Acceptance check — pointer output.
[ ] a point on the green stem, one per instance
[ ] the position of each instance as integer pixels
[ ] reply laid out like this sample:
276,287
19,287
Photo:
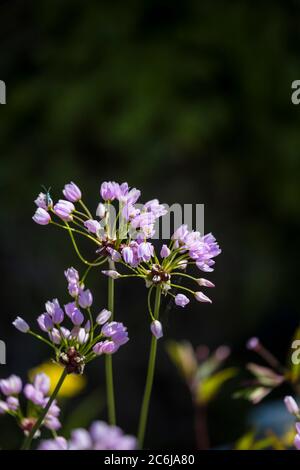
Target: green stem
27,441
85,209
108,357
42,339
150,376
77,250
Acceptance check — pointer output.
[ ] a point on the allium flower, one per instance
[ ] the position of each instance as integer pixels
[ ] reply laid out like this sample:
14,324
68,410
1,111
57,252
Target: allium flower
165,251
11,386
101,210
37,393
100,436
186,248
71,192
41,216
43,201
297,441
119,237
200,297
103,317
181,300
109,190
124,237
21,325
55,312
78,345
63,209
253,344
291,405
93,226
85,298
72,275
204,283
112,273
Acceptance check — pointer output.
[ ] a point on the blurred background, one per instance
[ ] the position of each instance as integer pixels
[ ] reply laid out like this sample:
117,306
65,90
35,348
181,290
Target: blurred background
190,102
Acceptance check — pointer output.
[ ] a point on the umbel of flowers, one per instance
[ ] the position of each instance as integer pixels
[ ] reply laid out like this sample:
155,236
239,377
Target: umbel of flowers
37,396
121,231
84,338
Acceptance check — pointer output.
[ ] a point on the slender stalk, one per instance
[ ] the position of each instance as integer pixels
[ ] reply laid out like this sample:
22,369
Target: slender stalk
27,441
108,358
85,209
150,376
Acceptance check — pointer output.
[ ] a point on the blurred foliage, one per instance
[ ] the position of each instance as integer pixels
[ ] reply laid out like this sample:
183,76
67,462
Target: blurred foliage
201,374
189,101
210,386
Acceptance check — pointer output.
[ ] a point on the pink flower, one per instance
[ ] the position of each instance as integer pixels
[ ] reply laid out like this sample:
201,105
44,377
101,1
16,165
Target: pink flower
71,192
41,216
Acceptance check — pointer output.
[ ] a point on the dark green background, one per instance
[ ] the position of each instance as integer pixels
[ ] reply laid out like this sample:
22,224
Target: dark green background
189,101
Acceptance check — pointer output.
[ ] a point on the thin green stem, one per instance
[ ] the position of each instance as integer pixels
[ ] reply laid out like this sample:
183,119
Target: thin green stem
85,209
183,288
150,376
108,357
42,339
27,441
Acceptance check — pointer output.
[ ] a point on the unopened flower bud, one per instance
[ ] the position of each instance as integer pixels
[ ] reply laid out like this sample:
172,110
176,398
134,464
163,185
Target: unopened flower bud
156,329
21,325
200,297
204,283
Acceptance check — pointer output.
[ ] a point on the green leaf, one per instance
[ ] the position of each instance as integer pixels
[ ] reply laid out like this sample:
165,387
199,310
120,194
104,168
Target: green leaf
209,387
183,356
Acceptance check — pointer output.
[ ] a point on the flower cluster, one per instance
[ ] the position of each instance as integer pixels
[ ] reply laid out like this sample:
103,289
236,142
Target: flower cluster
37,394
264,379
123,237
100,436
76,346
294,410
185,249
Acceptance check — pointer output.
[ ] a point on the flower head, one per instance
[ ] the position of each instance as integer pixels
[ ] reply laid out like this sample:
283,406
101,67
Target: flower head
37,393
79,344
